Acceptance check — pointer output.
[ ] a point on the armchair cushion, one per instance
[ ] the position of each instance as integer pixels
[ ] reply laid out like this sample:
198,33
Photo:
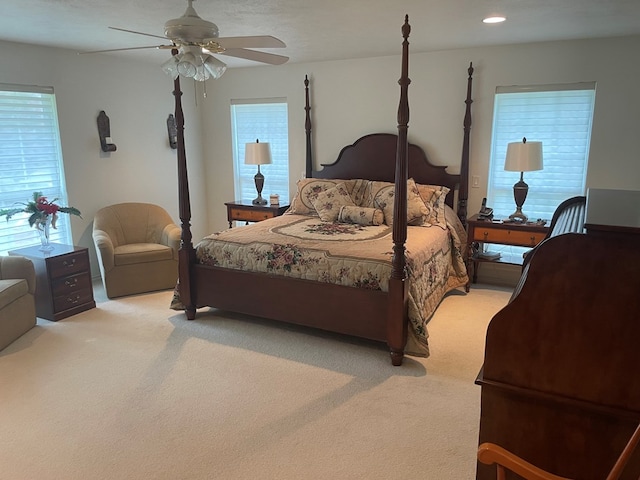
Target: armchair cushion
12,289
142,252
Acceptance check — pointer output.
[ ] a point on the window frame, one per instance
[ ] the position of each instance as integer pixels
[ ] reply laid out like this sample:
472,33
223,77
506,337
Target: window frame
547,187
266,130
30,144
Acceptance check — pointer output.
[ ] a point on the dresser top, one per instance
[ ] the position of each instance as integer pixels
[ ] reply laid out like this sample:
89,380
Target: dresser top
35,252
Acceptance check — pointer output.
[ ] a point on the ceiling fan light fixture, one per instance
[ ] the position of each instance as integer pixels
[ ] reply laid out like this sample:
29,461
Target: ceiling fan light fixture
170,67
197,40
214,67
187,65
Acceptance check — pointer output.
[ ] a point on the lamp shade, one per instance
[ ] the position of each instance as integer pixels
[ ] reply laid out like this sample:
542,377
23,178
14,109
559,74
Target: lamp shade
523,156
214,67
257,153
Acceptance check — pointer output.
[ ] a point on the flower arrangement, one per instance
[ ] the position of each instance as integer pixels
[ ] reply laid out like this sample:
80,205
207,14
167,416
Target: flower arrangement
41,210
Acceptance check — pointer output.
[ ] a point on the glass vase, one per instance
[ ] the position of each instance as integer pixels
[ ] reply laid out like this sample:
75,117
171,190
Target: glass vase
44,230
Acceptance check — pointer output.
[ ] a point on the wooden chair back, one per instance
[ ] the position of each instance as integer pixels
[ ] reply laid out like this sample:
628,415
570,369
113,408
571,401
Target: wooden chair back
490,453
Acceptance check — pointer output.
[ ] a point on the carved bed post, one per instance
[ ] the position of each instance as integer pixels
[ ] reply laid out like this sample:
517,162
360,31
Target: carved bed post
397,316
463,191
307,127
186,254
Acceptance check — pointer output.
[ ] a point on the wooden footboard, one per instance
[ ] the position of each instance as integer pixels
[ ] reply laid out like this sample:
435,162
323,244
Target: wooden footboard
347,310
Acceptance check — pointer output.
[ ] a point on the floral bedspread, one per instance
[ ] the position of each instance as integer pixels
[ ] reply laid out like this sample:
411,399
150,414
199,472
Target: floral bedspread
301,246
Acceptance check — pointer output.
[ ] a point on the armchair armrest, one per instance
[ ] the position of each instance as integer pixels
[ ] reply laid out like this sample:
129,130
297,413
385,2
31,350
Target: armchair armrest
171,237
489,453
105,248
15,266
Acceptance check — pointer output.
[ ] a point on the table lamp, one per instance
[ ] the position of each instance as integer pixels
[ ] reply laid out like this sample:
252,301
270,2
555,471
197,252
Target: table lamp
522,157
258,154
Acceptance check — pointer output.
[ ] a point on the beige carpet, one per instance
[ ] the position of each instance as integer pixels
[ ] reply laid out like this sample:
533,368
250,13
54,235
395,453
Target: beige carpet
132,390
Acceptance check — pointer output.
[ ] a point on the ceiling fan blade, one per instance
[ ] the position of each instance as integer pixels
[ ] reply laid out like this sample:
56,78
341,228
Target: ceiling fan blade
128,48
257,41
263,57
138,33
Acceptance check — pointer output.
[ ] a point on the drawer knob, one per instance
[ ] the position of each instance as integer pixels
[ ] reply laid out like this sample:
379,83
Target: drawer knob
71,282
69,264
73,300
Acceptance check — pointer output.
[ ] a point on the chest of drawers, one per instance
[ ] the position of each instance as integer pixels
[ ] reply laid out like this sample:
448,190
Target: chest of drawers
63,280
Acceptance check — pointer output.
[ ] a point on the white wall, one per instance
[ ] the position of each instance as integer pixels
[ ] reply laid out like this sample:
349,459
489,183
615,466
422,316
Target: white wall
349,99
137,98
355,97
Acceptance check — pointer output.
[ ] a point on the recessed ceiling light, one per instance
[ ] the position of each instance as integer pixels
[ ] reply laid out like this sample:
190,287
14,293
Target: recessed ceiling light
494,19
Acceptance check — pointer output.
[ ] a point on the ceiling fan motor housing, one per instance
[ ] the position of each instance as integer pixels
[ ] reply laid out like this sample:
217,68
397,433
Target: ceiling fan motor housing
190,28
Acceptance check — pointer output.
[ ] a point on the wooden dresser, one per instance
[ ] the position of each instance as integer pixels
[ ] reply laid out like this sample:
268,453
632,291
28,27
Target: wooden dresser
63,280
560,380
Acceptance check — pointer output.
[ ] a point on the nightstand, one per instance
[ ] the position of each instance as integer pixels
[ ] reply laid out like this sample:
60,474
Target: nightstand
248,212
63,280
503,233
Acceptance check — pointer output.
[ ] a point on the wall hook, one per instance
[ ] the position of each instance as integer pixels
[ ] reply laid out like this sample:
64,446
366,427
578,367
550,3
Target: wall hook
104,130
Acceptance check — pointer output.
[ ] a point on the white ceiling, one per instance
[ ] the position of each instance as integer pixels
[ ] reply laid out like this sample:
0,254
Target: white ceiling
317,30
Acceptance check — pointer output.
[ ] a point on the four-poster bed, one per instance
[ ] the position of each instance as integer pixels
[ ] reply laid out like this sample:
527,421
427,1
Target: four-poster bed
218,272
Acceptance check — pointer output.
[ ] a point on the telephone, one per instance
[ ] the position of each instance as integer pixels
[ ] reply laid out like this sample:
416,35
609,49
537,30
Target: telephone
485,212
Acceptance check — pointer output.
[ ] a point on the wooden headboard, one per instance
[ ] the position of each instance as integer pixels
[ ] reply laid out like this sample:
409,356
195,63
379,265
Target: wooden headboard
373,157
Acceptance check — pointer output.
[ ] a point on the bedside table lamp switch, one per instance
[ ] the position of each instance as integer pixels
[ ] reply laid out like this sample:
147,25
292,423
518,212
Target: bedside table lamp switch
522,157
258,154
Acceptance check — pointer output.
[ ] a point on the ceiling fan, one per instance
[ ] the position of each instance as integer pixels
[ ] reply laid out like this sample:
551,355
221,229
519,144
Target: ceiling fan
197,39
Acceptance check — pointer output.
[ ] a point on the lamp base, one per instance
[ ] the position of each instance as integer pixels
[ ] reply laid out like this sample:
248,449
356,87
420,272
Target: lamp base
518,216
520,190
259,179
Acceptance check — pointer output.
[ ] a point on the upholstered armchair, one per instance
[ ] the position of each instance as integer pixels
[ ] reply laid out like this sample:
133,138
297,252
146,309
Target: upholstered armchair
137,248
17,301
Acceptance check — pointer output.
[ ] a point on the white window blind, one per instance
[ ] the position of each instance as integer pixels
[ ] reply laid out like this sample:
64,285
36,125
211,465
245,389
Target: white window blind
30,161
560,116
265,120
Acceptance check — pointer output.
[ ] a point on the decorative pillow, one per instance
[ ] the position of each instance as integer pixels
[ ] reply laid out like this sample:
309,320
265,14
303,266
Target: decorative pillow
361,215
308,190
361,192
434,196
382,194
329,202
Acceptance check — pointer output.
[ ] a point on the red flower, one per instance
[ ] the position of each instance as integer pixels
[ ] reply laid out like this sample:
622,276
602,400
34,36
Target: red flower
46,207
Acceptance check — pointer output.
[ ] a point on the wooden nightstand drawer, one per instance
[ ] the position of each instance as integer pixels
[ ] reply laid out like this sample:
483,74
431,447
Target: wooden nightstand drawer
251,215
72,300
248,212
70,284
509,237
68,264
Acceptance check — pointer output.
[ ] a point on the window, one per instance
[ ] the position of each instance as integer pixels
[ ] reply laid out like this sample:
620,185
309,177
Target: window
265,120
30,161
560,116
